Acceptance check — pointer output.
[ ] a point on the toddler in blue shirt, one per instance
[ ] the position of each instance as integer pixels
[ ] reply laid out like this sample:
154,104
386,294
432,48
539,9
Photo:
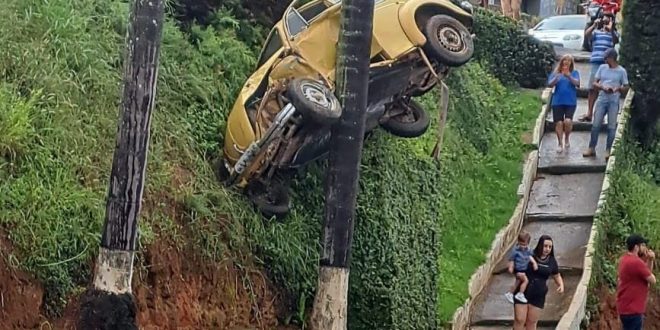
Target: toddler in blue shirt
519,260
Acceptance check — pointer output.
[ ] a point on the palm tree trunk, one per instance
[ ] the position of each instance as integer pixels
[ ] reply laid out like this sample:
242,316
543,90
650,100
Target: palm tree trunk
330,303
109,303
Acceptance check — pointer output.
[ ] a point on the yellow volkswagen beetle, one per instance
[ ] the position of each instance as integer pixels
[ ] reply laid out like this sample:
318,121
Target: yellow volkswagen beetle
282,116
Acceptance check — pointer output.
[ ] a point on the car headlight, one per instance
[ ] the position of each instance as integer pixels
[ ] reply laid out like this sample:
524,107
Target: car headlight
467,6
571,37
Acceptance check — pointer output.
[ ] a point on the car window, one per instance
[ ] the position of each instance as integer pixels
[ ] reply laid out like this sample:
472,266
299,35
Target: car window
295,22
298,18
310,12
334,2
273,44
562,23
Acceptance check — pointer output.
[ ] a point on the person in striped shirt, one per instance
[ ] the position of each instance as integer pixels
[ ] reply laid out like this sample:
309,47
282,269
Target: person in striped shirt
604,37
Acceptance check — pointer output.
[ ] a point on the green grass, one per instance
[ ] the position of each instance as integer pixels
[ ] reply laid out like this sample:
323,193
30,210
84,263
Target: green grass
60,75
482,201
632,205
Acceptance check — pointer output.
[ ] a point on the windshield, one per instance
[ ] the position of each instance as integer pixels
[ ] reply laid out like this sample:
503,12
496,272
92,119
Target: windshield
562,23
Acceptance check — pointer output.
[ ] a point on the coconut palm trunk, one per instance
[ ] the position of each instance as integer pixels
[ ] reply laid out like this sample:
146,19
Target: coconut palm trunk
109,303
330,303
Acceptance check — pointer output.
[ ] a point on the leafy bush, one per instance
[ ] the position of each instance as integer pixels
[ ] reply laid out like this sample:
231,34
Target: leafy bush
641,30
632,205
510,53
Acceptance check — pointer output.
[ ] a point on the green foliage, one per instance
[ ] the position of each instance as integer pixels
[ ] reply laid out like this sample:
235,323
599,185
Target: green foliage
482,167
52,191
639,57
61,73
16,115
509,53
632,206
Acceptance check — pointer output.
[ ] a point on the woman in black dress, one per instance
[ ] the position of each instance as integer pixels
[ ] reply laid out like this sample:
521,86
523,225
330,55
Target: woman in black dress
526,315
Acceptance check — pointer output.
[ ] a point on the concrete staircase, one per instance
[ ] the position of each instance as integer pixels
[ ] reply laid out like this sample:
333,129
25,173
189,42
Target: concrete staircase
562,203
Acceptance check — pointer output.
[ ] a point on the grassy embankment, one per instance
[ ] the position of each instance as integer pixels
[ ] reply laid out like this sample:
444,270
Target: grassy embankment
61,71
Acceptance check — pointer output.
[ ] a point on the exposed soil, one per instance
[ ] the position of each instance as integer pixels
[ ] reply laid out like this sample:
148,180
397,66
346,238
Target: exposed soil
178,291
607,318
174,290
20,294
173,286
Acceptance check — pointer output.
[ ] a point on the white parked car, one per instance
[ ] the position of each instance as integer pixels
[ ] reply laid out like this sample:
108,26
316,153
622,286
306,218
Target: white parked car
563,31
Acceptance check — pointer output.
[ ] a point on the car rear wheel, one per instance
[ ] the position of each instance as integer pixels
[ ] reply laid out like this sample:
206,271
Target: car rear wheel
448,40
413,121
220,170
270,200
314,101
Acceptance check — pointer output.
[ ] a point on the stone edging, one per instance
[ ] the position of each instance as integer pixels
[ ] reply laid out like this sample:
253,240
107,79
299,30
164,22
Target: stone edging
576,311
507,235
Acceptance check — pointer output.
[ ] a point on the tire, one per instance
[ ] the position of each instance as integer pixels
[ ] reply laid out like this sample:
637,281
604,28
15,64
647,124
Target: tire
271,201
448,40
397,125
220,170
314,101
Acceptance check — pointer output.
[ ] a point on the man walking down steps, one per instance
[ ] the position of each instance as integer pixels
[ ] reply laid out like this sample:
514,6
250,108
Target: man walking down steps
611,79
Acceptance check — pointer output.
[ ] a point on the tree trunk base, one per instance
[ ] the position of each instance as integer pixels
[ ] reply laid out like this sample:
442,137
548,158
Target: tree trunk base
114,271
100,310
330,304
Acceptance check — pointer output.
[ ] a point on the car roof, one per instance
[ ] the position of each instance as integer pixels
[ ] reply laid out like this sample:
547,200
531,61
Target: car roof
566,16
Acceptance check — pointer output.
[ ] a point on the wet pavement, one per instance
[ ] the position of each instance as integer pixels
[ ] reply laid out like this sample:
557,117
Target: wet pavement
562,203
570,241
571,160
492,308
565,197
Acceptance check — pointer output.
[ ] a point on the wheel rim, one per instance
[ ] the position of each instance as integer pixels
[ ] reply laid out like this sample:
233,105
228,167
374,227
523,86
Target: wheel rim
315,94
450,39
408,116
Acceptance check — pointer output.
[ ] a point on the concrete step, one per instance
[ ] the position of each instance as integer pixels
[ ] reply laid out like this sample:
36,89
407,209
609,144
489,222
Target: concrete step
492,309
504,327
567,197
570,241
571,159
578,126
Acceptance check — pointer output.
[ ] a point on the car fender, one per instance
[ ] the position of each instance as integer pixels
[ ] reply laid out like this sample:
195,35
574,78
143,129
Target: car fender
414,12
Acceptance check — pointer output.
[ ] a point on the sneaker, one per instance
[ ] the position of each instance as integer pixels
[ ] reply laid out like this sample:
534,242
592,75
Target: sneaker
607,155
509,297
521,297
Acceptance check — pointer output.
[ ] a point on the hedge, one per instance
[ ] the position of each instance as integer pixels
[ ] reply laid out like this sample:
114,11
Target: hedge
632,205
510,53
639,55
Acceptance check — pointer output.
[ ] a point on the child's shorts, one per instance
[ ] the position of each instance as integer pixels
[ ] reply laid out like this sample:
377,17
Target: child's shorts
517,270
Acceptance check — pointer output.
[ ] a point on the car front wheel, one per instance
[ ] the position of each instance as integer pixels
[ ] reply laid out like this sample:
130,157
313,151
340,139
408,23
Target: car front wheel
315,102
448,40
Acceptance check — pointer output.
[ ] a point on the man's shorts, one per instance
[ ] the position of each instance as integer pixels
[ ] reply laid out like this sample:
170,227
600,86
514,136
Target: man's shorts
592,74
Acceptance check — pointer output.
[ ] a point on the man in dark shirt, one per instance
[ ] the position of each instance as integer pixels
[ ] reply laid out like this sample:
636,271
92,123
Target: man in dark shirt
634,276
